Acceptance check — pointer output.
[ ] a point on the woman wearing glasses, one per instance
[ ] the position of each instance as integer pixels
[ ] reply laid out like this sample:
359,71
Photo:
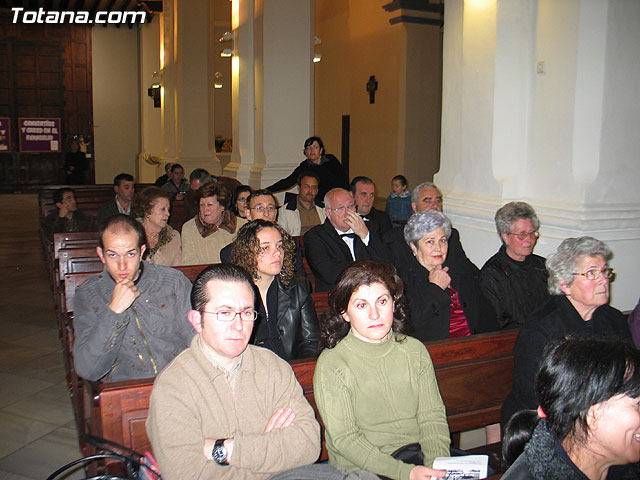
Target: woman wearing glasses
579,277
287,323
444,297
514,280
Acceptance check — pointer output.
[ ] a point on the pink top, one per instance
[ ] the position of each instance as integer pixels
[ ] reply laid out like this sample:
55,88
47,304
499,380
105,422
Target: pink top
458,326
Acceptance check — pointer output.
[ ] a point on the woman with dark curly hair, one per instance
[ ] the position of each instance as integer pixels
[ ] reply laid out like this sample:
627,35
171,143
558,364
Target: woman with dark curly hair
164,246
287,323
375,387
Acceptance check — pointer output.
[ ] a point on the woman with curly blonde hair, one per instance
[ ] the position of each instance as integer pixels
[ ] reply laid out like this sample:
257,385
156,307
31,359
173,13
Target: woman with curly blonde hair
287,323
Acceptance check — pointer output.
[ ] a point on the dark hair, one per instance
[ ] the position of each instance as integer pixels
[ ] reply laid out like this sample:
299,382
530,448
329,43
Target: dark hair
225,272
239,189
358,179
215,189
145,200
401,178
517,433
201,175
122,177
176,165
125,222
333,326
310,140
59,193
246,249
575,374
259,193
307,173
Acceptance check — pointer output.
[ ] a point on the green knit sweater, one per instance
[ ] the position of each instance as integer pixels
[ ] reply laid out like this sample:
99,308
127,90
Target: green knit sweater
375,398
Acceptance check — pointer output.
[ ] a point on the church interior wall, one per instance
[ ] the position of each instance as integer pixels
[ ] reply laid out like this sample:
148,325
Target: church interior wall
115,101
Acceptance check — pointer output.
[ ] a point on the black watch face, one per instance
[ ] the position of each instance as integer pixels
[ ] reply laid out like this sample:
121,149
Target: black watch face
219,455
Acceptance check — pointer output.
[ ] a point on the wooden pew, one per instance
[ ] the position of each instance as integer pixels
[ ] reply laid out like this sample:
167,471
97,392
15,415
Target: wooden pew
474,375
90,197
73,240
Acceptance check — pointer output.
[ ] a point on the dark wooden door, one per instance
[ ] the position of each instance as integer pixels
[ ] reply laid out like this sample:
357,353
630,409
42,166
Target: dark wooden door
31,85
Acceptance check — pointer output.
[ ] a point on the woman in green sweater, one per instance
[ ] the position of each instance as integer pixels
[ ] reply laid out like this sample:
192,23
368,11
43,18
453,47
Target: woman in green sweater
375,388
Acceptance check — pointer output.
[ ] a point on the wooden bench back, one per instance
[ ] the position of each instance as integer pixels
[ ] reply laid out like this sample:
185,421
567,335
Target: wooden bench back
474,375
90,197
73,240
78,259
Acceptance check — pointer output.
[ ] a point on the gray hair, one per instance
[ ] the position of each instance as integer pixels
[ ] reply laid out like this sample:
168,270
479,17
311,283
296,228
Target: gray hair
512,212
416,191
423,223
563,264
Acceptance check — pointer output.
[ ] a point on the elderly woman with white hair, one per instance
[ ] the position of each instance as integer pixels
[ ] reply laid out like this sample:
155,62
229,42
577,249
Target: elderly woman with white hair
514,280
579,276
444,297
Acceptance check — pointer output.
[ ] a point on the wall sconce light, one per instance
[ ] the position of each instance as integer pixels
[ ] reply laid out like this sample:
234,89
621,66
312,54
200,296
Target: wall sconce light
226,37
217,80
227,52
317,57
154,92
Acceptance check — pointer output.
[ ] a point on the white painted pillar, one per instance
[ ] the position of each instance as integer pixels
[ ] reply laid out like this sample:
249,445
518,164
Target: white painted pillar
540,105
272,88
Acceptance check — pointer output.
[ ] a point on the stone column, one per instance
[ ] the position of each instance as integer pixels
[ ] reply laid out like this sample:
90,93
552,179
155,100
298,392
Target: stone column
540,105
272,88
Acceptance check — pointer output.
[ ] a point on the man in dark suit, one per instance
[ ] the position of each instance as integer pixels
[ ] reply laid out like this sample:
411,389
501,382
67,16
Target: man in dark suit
364,194
125,190
342,239
425,196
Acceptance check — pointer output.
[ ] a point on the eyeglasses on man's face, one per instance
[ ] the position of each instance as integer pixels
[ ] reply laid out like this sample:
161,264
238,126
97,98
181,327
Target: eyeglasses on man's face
343,208
522,236
594,273
247,316
265,208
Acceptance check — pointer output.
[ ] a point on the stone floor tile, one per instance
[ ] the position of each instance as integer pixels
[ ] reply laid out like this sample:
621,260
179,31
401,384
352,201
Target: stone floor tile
15,387
61,447
17,432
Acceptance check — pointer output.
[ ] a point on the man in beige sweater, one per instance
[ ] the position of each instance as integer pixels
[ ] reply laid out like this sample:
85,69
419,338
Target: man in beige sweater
227,410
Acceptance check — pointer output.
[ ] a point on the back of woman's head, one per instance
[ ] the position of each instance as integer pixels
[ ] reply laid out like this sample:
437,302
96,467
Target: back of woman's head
333,327
516,434
580,372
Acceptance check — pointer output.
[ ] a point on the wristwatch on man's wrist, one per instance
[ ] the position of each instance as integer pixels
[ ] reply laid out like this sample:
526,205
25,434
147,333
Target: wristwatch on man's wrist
220,452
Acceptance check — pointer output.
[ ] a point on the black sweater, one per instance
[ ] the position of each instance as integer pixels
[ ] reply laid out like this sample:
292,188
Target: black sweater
329,170
515,289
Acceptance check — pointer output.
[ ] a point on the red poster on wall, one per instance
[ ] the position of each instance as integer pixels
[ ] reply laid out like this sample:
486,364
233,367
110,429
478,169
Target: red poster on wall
5,135
39,134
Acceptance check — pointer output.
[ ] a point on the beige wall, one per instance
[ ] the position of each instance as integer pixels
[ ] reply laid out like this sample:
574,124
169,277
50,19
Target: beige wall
115,101
400,132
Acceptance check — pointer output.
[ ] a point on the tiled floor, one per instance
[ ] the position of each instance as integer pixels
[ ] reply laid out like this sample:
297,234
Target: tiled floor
37,430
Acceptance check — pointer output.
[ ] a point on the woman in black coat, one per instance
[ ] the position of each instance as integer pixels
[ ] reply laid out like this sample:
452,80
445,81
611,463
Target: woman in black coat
287,323
445,299
579,277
